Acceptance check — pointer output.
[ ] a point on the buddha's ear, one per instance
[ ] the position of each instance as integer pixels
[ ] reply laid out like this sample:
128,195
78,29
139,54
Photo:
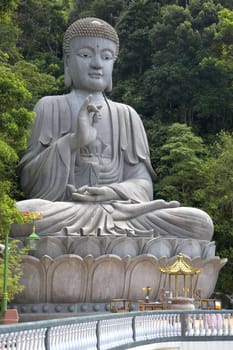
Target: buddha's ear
109,86
67,75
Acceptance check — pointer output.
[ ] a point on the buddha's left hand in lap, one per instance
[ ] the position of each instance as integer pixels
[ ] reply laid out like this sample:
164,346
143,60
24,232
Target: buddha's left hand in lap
93,194
103,194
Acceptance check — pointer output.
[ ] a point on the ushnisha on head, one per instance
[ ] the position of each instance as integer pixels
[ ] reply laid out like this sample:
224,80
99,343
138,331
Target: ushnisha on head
90,47
89,27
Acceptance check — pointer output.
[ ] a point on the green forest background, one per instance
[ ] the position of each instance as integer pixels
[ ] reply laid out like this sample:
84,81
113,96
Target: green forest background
175,67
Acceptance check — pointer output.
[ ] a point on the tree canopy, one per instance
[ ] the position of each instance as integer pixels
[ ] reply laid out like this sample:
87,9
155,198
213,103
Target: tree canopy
175,67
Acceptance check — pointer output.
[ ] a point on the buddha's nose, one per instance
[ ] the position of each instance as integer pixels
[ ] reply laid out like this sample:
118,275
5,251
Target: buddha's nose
96,62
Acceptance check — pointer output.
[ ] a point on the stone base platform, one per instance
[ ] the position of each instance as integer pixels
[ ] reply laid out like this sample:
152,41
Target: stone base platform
35,312
97,269
122,246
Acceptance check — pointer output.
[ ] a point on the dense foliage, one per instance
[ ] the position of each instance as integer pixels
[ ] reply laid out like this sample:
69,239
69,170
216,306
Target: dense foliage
175,68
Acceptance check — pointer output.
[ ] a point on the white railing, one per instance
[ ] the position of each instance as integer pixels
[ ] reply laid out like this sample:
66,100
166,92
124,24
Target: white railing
118,331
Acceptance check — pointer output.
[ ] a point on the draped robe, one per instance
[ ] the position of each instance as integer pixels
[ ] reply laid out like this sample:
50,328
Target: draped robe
49,165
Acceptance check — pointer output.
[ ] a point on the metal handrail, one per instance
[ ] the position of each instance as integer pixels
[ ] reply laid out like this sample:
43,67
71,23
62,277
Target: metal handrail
118,331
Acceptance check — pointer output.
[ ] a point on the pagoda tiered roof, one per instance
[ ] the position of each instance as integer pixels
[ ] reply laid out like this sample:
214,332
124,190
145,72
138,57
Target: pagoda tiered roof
180,267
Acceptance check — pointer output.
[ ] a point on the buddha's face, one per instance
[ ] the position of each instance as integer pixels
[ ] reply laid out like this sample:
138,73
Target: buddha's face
90,63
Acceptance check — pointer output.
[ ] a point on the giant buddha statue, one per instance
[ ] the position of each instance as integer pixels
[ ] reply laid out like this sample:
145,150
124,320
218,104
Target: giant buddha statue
87,165
87,170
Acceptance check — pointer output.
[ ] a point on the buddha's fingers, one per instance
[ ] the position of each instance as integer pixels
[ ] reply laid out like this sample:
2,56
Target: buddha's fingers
126,211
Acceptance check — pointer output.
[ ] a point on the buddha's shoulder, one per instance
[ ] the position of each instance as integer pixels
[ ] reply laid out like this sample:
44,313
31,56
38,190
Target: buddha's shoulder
124,107
50,100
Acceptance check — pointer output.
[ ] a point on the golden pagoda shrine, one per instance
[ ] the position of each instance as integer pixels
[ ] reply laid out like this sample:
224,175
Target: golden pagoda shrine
181,268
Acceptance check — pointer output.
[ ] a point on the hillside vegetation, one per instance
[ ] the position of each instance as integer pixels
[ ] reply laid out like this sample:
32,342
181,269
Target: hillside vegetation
175,67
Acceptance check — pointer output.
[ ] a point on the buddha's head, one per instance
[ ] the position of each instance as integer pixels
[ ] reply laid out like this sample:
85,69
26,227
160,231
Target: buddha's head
90,48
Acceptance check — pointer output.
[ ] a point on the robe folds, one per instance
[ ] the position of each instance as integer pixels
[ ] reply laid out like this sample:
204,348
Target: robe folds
49,166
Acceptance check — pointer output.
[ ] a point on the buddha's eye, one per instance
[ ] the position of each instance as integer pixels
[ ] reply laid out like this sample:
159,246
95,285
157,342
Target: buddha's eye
107,55
85,53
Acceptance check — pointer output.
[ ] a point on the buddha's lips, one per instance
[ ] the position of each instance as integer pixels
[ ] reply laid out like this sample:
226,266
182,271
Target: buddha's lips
95,75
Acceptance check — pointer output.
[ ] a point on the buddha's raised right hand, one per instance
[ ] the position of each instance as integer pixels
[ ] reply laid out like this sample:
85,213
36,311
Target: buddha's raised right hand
85,133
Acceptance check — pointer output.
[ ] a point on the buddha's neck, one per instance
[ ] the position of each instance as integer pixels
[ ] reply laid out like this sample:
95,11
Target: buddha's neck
97,97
